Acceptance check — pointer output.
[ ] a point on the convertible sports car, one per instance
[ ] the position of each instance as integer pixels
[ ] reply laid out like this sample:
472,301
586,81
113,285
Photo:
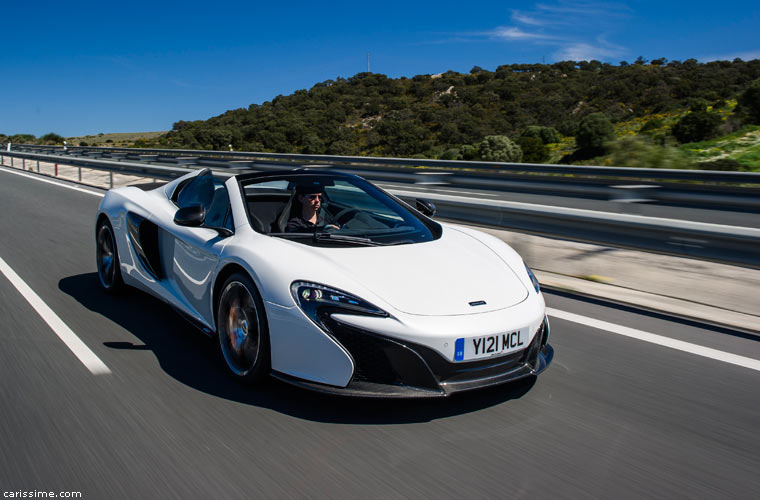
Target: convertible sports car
375,299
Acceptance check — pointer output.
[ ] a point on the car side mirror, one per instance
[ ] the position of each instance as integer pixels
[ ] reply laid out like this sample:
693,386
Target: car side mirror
190,216
427,208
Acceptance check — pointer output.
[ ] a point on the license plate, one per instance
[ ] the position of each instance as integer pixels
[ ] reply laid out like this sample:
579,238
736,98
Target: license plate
466,349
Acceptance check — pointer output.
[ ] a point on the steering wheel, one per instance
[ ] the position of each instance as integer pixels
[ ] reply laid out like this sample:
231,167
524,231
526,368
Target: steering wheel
346,215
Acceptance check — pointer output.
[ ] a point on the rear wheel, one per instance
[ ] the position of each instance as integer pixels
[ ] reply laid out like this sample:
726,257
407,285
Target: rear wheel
242,329
107,257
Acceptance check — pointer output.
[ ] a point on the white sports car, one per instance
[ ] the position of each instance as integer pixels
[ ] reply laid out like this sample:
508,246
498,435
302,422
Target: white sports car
326,281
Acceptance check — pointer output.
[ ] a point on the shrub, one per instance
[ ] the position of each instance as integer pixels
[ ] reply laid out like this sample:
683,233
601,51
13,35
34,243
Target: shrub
312,144
52,138
450,154
697,104
728,164
469,152
547,135
22,138
339,148
696,126
534,151
499,148
651,125
749,102
638,152
594,131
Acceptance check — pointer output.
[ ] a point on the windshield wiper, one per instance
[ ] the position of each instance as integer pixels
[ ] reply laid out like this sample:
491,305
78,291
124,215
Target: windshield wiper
344,238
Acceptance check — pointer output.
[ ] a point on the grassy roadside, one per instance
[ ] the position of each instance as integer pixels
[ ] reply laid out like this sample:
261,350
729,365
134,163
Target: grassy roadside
126,139
647,138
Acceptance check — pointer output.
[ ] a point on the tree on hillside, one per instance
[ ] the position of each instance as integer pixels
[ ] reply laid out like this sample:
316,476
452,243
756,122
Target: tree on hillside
594,132
51,138
22,139
749,101
534,151
696,126
547,135
499,148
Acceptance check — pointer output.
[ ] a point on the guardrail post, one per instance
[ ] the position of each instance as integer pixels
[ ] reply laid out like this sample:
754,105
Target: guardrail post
38,166
23,163
79,173
56,170
110,180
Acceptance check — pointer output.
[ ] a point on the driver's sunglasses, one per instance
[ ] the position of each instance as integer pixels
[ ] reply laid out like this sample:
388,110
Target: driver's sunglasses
313,197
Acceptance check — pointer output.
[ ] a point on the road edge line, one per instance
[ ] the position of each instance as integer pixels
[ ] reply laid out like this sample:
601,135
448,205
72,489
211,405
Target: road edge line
40,177
679,345
88,358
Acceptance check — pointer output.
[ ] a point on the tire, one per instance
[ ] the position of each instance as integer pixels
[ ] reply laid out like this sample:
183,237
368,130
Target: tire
242,330
107,258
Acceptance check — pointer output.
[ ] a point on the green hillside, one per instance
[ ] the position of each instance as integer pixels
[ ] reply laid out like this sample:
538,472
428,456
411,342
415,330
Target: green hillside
659,113
450,115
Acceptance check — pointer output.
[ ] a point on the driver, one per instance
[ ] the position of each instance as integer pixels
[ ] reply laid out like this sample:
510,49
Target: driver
310,198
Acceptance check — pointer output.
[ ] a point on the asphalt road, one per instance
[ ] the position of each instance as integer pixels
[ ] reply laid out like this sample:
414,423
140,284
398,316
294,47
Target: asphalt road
613,417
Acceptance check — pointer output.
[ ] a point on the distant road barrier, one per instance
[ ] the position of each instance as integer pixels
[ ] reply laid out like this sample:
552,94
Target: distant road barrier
731,244
694,187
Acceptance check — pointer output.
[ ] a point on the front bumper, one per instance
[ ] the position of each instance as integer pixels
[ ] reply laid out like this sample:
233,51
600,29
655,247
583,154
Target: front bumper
389,368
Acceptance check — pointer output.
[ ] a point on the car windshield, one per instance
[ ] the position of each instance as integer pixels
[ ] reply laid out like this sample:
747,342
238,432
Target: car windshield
332,210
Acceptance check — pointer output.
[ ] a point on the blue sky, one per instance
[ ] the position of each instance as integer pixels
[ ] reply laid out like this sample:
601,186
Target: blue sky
79,68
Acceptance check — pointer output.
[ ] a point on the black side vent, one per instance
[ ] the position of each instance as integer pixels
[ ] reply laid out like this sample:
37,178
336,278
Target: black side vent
143,235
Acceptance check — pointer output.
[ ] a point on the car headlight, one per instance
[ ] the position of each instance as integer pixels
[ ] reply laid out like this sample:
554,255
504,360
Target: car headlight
319,300
533,279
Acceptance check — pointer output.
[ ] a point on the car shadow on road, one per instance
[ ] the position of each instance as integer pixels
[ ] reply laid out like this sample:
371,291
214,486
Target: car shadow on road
192,358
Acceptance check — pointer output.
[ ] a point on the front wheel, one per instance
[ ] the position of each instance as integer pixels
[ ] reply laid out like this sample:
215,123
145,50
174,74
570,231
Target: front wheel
107,257
242,329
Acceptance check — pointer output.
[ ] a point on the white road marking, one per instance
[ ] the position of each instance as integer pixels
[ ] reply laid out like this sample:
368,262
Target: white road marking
438,190
39,177
74,343
680,345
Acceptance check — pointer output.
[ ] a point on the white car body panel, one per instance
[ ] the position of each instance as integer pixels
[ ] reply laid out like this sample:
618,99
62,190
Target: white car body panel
303,350
437,278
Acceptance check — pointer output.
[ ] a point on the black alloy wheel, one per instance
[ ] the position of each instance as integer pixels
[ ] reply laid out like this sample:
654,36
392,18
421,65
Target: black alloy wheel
241,327
107,257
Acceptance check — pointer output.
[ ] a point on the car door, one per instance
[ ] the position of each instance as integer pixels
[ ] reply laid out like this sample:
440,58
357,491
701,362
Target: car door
191,254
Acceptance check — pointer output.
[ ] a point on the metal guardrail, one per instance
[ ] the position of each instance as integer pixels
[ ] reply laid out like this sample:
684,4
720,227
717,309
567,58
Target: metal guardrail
444,165
674,186
731,244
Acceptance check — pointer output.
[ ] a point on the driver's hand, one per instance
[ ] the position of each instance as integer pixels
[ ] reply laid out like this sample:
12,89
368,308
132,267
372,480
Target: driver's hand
330,226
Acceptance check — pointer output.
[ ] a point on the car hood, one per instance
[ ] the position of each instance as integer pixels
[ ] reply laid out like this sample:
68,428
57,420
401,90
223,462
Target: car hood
438,278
